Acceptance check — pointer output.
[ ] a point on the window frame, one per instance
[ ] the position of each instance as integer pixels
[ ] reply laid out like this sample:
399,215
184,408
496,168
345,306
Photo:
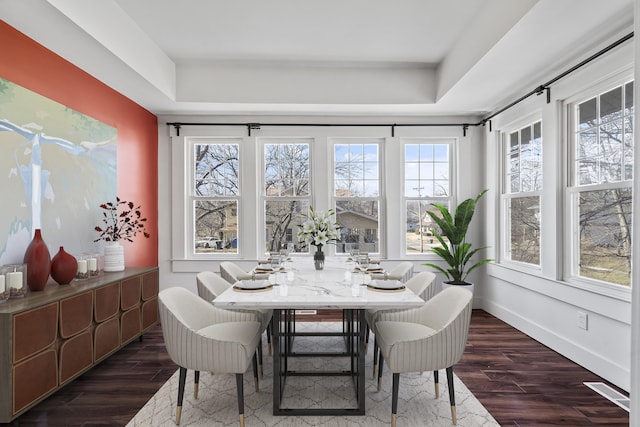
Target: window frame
191,197
572,188
262,198
507,196
333,199
452,142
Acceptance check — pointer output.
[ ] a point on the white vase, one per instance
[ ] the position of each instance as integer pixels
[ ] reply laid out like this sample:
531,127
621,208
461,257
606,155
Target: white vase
113,257
468,286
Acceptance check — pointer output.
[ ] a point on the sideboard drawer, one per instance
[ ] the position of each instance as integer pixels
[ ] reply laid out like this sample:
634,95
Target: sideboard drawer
34,378
34,330
107,302
76,314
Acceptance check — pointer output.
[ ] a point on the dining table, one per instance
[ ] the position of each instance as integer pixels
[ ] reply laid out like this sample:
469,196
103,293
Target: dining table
299,286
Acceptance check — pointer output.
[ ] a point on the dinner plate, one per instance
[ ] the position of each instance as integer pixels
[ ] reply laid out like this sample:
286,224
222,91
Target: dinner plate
252,284
386,284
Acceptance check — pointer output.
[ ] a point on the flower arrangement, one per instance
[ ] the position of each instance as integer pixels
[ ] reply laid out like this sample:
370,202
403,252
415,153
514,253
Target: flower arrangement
319,229
123,221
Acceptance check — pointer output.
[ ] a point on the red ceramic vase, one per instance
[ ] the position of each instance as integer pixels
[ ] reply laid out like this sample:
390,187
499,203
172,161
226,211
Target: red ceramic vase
64,267
38,263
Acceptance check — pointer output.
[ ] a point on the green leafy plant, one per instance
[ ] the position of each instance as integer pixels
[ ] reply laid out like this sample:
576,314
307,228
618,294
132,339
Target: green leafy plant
122,221
457,252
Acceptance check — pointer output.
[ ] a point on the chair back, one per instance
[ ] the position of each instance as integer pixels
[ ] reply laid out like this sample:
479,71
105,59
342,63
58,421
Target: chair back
231,272
402,271
422,284
210,285
449,313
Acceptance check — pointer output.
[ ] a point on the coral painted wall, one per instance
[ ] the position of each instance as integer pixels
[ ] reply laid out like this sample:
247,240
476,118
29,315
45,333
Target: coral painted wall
36,68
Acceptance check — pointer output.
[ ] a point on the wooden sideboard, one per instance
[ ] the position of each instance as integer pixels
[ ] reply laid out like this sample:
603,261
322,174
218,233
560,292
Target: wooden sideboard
51,337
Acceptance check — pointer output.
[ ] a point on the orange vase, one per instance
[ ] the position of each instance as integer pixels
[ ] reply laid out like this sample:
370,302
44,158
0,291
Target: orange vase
64,267
38,263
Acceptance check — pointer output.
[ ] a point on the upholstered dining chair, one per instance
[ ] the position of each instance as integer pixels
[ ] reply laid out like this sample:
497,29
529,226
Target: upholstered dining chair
210,285
428,338
202,337
402,272
232,272
422,284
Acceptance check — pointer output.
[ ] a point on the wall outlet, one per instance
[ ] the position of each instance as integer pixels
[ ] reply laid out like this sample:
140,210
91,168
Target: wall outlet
583,320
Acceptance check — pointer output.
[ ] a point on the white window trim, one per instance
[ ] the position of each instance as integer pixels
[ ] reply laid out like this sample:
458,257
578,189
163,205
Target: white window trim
503,136
381,142
452,142
571,237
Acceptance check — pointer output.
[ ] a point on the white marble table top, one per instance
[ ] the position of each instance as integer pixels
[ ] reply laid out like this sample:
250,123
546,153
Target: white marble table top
302,287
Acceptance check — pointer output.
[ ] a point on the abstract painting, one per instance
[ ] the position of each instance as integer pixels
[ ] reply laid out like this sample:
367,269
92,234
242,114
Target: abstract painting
57,166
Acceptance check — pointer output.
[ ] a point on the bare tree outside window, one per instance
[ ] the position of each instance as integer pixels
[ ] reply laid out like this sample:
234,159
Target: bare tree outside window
604,173
215,206
521,195
286,192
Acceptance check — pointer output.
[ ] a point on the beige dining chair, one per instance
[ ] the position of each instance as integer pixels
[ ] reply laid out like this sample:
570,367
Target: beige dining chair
202,337
428,338
210,285
402,272
232,273
423,285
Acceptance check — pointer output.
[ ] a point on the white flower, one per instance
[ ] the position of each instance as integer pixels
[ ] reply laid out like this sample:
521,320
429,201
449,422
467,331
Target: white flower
318,229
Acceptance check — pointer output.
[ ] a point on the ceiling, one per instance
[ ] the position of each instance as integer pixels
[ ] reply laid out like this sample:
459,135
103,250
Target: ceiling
329,57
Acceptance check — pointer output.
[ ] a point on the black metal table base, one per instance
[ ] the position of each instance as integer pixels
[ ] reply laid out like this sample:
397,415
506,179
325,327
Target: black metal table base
283,335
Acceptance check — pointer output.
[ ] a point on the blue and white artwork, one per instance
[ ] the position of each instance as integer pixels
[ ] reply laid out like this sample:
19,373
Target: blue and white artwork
56,167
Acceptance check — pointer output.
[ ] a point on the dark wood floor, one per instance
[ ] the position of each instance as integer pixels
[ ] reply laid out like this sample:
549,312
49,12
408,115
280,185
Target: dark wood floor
520,381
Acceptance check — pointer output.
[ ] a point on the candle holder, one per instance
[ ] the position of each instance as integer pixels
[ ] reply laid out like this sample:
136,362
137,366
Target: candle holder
4,291
15,280
83,267
95,264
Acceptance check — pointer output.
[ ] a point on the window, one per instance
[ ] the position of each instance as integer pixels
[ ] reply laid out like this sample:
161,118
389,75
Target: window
356,177
427,180
286,192
215,197
600,186
522,185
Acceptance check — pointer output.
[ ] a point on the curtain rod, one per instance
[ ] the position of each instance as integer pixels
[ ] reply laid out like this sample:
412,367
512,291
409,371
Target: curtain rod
539,90
251,126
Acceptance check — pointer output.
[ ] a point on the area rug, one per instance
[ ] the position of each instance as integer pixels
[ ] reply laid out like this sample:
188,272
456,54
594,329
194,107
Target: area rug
217,400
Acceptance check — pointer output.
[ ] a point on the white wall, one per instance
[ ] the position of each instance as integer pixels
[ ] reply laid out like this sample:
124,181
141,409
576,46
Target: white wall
538,302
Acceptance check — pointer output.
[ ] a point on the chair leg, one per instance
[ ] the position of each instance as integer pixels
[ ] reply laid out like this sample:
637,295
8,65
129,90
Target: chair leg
181,381
452,399
380,365
260,357
196,383
240,387
254,363
394,398
436,384
376,350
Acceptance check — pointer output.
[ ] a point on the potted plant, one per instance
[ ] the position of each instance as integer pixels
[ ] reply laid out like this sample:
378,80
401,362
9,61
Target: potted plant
122,221
456,251
318,230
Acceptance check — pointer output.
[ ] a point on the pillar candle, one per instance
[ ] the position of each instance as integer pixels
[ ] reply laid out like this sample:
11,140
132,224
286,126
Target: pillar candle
82,266
92,264
15,279
2,286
